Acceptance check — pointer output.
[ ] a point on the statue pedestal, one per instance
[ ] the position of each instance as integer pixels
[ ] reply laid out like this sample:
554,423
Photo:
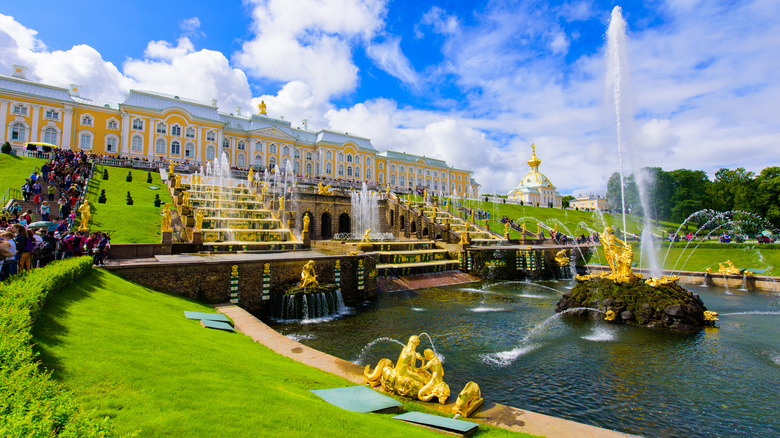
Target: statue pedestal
306,239
167,237
197,237
365,247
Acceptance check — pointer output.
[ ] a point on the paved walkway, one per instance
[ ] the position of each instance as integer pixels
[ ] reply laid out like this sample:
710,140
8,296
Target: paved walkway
493,414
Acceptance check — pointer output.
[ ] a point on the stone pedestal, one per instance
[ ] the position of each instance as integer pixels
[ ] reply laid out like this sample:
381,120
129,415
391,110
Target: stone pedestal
365,247
306,239
197,237
167,237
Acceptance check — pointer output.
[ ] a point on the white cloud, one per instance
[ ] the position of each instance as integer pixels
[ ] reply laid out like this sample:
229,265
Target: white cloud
296,101
310,41
559,44
190,25
389,57
441,22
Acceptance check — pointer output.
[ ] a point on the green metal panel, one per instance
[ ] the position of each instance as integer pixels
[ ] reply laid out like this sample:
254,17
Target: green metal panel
357,399
448,424
208,316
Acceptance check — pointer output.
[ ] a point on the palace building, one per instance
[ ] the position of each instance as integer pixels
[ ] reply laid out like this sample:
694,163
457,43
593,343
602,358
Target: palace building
535,188
155,126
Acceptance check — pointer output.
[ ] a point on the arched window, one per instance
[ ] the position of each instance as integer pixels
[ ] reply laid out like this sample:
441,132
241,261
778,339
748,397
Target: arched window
111,143
308,169
401,169
161,128
297,153
419,171
427,173
18,132
328,155
381,178
86,120
272,148
403,181
435,184
211,136
349,158
225,142
341,170
308,155
240,160
368,161
297,168
286,150
259,163
85,140
272,162
329,169
137,144
176,130
159,147
241,145
189,150
258,146
138,124
189,132
211,153
428,184
392,179
349,171
411,182
175,147
368,173
460,188
50,135
382,166
357,171
453,187
341,156
112,124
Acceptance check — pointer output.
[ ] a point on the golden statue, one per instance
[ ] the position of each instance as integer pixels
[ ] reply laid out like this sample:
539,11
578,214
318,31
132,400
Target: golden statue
538,228
387,190
610,315
251,175
166,220
323,190
185,199
664,279
469,400
171,166
262,108
409,380
365,236
522,230
464,237
506,229
308,277
85,215
619,256
281,206
561,259
306,223
425,195
198,220
177,180
726,268
709,315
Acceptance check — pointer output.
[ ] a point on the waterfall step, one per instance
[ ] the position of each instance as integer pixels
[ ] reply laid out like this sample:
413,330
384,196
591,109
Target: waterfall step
423,281
397,269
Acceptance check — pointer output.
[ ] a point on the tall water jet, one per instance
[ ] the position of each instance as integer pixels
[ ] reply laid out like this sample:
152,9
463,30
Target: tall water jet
617,84
365,211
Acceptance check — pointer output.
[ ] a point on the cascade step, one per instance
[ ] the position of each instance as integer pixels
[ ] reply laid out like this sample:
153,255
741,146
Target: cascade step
413,256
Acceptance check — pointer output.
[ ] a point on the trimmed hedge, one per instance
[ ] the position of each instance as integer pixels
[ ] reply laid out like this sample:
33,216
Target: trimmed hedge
31,402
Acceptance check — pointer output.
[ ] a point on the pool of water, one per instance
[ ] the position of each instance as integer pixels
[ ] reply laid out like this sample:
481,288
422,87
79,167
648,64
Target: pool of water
722,381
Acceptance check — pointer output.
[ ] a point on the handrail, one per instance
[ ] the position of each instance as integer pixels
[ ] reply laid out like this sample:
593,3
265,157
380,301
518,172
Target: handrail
9,194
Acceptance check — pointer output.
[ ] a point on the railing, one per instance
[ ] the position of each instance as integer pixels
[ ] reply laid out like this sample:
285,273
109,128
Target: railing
33,154
9,194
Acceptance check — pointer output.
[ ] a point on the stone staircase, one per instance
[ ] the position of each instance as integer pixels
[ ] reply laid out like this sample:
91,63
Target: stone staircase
407,258
478,236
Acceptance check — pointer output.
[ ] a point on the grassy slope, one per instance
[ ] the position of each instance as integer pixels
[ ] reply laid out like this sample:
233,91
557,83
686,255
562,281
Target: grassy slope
129,353
137,223
15,170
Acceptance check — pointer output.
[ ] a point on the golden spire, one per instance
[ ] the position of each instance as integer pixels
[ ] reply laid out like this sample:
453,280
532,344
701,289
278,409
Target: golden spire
534,162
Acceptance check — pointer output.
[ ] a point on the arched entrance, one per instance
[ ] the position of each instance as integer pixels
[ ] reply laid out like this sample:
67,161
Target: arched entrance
392,221
403,222
425,232
344,226
413,227
326,232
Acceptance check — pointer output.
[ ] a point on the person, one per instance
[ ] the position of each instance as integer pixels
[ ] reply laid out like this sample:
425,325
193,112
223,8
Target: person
9,263
49,246
67,245
78,244
51,190
91,243
104,244
45,211
15,211
24,248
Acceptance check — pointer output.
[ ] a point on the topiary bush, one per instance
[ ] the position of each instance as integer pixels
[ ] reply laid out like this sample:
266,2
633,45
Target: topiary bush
105,174
31,402
157,200
102,197
129,177
149,177
6,148
129,199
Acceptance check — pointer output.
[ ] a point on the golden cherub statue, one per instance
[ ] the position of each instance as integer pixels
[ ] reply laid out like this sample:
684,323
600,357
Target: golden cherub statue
251,175
166,220
198,220
85,215
561,259
409,380
323,190
308,276
365,236
262,108
726,268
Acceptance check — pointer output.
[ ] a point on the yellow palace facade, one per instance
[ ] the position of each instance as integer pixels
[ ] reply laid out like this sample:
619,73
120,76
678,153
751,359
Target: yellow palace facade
155,126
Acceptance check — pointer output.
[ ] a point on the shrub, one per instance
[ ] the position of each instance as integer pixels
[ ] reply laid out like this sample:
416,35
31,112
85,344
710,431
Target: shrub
129,177
6,149
149,177
31,402
129,199
102,197
157,200
105,174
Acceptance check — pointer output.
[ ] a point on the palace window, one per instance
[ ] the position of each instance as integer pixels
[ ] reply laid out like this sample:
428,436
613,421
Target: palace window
368,173
52,114
402,170
189,132
258,146
161,128
112,124
286,151
428,184
85,141
328,155
308,169
349,171
427,173
460,188
368,161
272,162
297,153
50,135
308,155
357,171
259,162
211,136
460,177
403,181
349,158
176,130
225,142
392,179
328,169
297,168
211,153
111,144
241,146
138,124
240,160
159,147
86,120
18,131
20,110
175,147
272,149
436,185
189,150
419,171
137,144
341,156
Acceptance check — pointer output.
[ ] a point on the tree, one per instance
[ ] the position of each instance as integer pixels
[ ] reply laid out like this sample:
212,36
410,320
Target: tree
566,201
768,194
615,195
690,190
733,190
659,192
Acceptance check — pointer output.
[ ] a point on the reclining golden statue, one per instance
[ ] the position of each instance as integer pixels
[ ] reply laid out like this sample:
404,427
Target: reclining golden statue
469,400
409,380
561,259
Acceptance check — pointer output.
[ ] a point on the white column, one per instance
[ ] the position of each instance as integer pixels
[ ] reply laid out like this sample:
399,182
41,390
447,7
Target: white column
35,114
125,148
3,112
67,127
199,133
150,125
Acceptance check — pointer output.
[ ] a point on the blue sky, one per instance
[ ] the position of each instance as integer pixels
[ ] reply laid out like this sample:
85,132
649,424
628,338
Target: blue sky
474,83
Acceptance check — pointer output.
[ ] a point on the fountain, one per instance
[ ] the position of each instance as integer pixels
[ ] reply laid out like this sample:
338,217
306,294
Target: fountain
365,212
307,299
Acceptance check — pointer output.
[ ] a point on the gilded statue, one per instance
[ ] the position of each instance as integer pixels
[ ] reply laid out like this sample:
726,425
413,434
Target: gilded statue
198,220
711,316
262,108
660,281
561,259
166,220
522,230
308,276
306,223
409,380
251,175
469,400
85,212
619,256
281,206
365,236
726,268
464,237
539,228
185,199
177,180
171,166
387,190
323,190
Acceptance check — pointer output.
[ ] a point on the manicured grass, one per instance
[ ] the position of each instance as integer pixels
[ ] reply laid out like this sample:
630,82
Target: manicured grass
15,170
137,223
703,258
128,353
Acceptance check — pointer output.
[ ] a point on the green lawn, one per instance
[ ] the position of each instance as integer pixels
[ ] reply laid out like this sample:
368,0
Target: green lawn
127,352
15,170
137,223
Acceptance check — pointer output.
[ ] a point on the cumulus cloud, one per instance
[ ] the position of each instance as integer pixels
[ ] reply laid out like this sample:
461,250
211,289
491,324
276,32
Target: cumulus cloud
440,21
388,56
310,41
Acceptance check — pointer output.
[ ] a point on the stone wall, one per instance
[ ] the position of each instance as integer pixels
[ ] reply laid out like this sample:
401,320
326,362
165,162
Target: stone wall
335,209
209,282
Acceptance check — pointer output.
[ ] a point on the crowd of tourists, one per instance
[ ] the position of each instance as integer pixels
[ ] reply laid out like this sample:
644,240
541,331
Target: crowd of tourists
31,238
